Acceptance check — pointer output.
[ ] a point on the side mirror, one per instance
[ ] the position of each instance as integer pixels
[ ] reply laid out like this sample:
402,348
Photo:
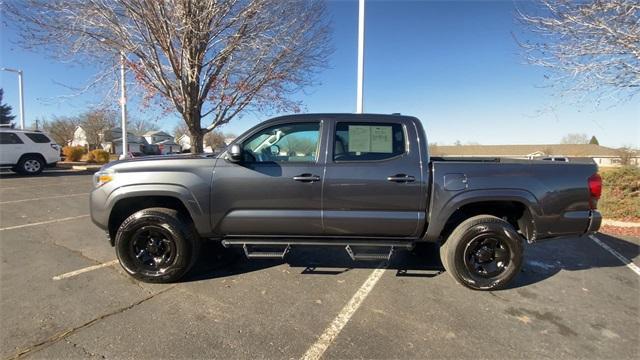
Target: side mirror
234,153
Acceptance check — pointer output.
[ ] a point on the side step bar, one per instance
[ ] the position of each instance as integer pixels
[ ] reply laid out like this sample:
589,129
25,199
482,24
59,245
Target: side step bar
252,253
357,249
368,256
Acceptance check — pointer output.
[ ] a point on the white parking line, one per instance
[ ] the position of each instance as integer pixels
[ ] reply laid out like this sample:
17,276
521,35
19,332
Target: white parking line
42,198
43,222
316,350
84,270
620,257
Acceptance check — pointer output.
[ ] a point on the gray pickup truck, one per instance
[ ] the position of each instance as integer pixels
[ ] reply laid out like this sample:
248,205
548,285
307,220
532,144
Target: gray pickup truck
364,182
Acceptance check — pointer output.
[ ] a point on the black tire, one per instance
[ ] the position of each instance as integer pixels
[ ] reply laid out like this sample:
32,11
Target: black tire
30,165
157,245
483,253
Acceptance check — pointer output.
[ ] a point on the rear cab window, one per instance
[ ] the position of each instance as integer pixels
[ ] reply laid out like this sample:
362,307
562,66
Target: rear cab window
7,138
38,138
362,141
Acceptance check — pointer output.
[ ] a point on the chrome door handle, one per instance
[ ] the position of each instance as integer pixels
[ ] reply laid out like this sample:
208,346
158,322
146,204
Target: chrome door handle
306,178
401,178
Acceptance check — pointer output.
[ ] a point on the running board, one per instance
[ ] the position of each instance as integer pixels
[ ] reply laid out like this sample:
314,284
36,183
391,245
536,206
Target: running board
252,253
368,256
257,241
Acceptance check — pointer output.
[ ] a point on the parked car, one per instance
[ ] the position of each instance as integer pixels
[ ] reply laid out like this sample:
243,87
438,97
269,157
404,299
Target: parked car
27,152
359,181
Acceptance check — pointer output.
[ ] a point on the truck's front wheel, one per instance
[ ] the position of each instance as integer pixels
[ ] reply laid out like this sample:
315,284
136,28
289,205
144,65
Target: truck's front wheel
157,245
483,253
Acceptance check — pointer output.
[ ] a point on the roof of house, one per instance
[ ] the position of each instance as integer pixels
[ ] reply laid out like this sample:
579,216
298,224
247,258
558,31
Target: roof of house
157,133
130,140
581,150
167,142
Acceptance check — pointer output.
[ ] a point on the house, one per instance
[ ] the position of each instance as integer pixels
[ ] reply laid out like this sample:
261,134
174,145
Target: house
155,137
134,144
79,138
169,146
185,142
601,155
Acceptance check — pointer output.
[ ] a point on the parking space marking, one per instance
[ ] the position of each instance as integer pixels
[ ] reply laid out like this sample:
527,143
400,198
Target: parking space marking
42,198
84,270
44,222
44,185
316,351
620,257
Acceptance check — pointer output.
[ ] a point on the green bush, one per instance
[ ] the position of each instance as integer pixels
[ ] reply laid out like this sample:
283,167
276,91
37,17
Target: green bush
100,156
620,193
73,153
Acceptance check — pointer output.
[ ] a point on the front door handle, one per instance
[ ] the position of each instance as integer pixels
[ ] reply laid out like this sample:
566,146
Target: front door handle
306,178
401,178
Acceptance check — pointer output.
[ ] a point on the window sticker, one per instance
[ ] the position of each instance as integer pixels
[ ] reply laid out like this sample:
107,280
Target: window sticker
359,138
381,139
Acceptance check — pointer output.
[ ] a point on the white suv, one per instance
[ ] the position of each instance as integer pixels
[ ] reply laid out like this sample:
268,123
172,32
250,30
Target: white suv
27,152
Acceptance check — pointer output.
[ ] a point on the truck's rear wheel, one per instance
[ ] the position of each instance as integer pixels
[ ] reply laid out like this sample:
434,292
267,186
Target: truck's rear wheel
483,253
157,245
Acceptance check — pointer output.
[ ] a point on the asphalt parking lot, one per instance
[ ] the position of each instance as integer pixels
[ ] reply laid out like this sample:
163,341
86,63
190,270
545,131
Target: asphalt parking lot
62,295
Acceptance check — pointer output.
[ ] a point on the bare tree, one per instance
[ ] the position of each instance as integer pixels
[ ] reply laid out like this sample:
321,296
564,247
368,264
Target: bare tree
626,153
179,130
215,139
61,128
95,124
592,46
575,138
140,127
203,59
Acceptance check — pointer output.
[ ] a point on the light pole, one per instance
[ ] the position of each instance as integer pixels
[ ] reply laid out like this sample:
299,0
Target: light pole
19,72
359,99
123,107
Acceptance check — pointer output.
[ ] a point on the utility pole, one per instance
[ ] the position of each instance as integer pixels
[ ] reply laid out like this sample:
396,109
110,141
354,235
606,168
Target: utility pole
20,90
359,99
123,107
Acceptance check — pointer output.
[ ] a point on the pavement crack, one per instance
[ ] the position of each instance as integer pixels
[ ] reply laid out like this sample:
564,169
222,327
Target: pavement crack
77,252
66,333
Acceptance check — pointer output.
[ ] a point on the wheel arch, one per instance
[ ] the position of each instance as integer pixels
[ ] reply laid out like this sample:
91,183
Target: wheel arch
128,200
519,207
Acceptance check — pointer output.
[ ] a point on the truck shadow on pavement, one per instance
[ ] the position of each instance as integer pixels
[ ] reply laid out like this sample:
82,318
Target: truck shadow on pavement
216,262
542,260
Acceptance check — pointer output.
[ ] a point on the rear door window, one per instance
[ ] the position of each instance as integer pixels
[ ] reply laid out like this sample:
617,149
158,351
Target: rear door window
38,138
368,141
9,138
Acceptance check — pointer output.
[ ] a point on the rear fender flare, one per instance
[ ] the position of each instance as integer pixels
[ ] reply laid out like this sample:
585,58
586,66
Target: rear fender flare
437,222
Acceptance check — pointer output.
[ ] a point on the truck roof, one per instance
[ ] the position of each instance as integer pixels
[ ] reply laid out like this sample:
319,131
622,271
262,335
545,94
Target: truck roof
342,116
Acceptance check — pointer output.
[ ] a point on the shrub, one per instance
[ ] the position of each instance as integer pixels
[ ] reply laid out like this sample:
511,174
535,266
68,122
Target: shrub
100,156
73,153
620,193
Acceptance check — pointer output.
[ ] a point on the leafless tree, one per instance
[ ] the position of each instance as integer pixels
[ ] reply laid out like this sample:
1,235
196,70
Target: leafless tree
203,59
626,153
95,123
179,130
61,128
140,127
575,138
215,139
592,47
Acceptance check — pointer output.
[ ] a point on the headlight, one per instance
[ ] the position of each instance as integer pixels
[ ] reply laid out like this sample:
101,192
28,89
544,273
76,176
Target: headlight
102,177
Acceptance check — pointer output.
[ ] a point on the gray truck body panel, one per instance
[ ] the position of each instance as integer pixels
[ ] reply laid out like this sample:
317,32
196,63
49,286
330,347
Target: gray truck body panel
352,199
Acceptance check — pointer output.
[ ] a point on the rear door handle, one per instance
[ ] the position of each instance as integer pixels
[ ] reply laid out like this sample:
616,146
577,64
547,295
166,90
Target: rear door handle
306,178
401,178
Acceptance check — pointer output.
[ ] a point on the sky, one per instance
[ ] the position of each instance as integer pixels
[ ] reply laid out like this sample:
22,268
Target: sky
455,65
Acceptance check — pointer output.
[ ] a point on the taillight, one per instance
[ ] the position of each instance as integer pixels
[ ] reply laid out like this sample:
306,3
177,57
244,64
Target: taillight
595,189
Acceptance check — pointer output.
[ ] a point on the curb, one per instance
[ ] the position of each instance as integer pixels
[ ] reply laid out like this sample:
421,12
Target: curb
86,167
623,224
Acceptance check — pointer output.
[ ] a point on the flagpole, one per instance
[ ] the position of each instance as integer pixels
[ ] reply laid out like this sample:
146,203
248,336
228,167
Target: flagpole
359,99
